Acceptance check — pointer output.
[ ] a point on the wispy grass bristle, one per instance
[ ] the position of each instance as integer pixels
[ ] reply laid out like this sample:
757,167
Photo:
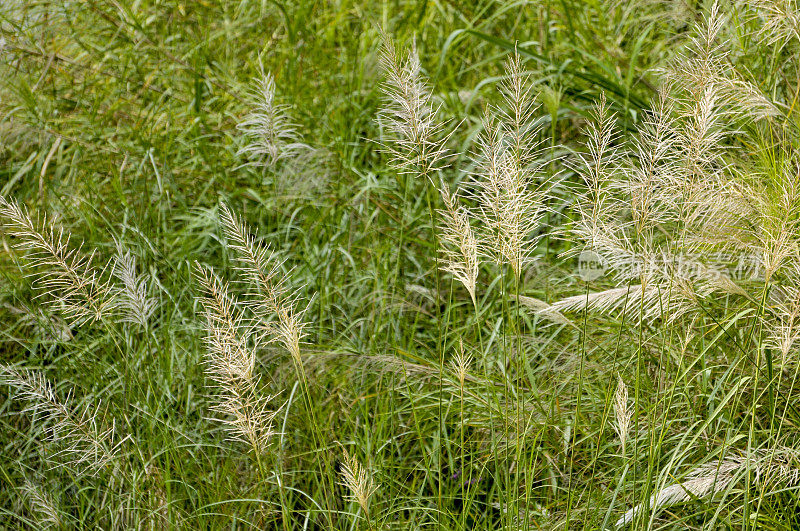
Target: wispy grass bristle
537,263
409,113
268,129
74,286
81,443
231,340
622,413
772,467
133,298
42,506
358,482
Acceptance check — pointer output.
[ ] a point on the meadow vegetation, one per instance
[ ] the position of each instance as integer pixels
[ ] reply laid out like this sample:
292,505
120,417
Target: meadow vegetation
408,264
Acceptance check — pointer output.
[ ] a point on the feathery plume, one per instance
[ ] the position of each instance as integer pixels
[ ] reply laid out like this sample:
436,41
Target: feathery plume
635,200
517,116
780,20
76,286
83,445
702,134
132,298
654,153
597,207
783,329
779,465
256,262
510,205
358,481
42,506
602,159
268,128
778,224
704,53
508,209
520,213
625,297
703,68
460,247
260,267
461,364
409,114
544,310
230,365
622,412
667,291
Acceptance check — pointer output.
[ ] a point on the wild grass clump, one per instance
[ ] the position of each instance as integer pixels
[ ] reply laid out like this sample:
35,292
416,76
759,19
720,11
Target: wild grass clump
309,267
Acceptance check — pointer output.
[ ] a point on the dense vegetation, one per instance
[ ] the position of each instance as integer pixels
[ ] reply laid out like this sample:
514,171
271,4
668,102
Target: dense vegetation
399,265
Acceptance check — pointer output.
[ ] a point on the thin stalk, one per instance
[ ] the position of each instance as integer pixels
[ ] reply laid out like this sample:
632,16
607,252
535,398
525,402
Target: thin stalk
506,387
751,431
577,406
638,385
318,440
439,349
461,441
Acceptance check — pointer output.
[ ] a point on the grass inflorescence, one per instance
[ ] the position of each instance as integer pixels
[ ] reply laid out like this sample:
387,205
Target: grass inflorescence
410,265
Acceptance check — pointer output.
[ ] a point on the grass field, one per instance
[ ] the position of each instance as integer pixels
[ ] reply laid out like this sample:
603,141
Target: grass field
340,264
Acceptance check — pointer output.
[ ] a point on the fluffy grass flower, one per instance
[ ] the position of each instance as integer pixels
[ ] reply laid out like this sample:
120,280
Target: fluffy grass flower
460,246
230,365
42,505
622,413
409,114
82,444
77,288
270,133
133,298
358,482
775,466
267,296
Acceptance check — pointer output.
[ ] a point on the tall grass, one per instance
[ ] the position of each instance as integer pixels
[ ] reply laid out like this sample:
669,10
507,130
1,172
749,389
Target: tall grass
488,265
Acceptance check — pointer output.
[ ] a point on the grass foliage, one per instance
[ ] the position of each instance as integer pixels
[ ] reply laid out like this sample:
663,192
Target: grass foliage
399,265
